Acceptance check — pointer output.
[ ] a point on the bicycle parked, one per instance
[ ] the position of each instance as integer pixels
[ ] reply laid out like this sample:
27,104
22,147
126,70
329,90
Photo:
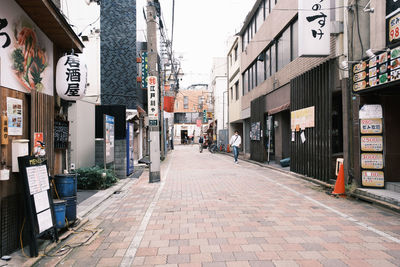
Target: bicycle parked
213,147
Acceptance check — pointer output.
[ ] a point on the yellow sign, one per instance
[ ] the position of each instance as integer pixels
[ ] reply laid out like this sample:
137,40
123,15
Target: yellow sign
371,126
371,143
302,118
373,178
372,161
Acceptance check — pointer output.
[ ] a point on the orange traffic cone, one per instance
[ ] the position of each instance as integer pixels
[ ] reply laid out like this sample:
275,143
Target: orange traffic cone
228,148
339,186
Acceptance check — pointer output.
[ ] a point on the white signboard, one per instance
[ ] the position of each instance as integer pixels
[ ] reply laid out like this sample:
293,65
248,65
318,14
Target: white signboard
26,54
371,112
152,97
14,115
314,27
38,179
71,79
109,138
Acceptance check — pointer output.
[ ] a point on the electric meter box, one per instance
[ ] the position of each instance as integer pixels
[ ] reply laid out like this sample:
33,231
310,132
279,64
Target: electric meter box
20,147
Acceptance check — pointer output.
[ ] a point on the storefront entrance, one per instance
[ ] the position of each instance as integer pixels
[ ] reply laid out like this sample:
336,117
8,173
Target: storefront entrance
390,105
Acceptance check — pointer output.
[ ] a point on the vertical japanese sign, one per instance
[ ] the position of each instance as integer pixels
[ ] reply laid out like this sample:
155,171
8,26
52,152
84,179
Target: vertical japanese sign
108,139
152,98
14,114
205,119
392,21
314,27
145,66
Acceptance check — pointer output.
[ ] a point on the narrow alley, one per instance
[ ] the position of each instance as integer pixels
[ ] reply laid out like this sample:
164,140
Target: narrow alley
208,211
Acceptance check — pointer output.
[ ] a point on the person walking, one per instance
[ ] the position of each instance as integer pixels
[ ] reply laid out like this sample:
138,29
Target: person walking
235,142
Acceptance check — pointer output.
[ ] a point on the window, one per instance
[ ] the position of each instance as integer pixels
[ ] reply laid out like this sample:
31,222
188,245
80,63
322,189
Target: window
185,102
295,40
259,17
245,85
266,9
267,63
273,59
283,49
236,53
251,78
201,100
231,93
272,4
260,70
245,40
254,67
237,90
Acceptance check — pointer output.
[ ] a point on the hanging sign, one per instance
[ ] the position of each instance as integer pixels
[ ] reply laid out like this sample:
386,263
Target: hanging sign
71,79
314,27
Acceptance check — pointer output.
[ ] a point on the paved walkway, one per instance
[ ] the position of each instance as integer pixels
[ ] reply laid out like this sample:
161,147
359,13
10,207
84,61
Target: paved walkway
208,211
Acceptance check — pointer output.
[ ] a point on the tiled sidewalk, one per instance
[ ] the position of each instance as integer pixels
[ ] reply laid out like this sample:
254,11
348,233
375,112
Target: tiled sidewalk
212,212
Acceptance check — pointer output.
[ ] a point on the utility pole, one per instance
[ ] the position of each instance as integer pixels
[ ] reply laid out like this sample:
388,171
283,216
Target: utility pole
152,93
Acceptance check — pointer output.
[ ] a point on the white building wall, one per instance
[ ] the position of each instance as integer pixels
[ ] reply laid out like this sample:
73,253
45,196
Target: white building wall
91,56
219,84
81,116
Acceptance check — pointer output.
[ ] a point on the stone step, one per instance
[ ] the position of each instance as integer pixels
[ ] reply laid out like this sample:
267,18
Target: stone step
393,186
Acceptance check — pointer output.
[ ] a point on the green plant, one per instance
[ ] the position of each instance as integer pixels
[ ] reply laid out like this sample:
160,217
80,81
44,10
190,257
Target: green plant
94,178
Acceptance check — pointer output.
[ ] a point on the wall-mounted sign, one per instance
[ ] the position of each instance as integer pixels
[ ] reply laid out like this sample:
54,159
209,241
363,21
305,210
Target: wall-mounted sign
370,112
255,131
373,178
61,134
314,27
152,97
372,161
71,78
26,54
379,70
372,143
109,136
302,118
371,126
15,116
145,66
392,21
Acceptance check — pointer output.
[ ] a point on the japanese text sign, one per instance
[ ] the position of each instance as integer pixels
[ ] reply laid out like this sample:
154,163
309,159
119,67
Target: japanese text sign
392,21
71,78
314,27
152,97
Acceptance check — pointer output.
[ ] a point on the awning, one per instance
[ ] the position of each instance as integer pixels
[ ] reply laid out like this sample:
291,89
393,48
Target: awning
279,109
49,19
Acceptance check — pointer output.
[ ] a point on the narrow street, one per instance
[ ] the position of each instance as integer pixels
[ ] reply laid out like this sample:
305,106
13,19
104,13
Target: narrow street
208,211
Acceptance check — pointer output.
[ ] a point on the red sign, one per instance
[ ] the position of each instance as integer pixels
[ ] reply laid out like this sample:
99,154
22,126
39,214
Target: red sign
152,80
38,139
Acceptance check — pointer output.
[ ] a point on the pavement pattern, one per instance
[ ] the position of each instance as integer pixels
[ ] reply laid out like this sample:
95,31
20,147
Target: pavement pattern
209,212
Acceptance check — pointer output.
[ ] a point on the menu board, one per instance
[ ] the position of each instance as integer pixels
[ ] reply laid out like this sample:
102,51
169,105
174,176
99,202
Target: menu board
38,179
371,145
371,126
378,70
61,133
373,178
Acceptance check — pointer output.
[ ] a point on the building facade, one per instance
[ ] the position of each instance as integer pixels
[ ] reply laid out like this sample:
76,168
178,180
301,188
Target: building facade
191,114
269,65
374,73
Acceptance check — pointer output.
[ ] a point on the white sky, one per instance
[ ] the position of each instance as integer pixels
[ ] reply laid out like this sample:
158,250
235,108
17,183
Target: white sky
202,29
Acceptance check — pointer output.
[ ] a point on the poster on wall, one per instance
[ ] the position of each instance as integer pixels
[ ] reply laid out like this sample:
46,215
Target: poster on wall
109,138
15,116
26,54
302,118
255,131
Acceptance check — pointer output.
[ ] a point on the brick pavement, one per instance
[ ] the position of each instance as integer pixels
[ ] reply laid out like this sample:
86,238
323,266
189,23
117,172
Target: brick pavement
212,212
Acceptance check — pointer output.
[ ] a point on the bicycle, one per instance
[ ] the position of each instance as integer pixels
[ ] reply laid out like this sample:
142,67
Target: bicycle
213,147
